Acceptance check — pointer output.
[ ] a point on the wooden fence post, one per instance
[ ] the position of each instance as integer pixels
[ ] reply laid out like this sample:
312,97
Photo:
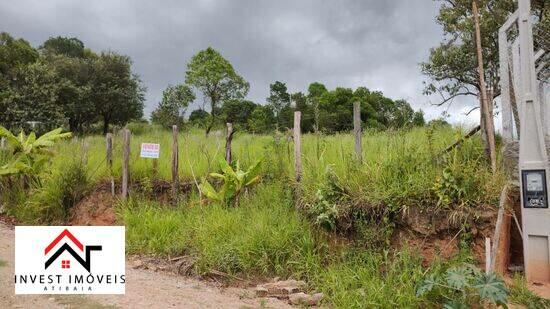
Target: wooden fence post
297,147
357,131
3,143
175,164
125,163
109,159
228,140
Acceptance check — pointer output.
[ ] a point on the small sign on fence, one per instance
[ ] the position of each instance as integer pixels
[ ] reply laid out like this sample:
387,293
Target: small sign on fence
149,150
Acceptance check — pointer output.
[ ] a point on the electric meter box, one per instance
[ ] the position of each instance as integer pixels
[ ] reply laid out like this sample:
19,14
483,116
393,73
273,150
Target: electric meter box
534,189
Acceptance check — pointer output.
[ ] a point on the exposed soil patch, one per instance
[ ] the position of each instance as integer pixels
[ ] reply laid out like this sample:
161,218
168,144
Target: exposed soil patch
435,236
95,209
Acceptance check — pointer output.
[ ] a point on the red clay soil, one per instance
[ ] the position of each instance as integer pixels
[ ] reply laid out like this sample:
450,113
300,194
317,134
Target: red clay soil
95,209
434,237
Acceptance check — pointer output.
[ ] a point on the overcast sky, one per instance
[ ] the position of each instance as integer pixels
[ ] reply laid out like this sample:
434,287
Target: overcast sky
374,43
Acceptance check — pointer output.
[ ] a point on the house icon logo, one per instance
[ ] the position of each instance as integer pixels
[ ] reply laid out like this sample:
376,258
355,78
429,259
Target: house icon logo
72,241
70,260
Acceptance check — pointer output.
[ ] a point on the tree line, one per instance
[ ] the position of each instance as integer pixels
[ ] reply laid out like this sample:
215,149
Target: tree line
63,83
224,91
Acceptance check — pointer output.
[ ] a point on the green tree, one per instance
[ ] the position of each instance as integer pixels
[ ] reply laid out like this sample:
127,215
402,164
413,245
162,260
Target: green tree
452,66
70,47
117,93
336,110
237,112
303,104
262,119
172,108
278,99
14,54
315,91
402,115
216,79
418,119
199,118
75,89
31,97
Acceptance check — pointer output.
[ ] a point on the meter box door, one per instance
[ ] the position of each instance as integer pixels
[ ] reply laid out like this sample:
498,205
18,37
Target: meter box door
536,224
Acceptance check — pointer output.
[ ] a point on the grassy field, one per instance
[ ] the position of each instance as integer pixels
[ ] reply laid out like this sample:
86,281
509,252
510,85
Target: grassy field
338,236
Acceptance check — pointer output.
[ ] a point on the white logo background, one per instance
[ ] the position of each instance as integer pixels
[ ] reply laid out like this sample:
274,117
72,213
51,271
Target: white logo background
30,245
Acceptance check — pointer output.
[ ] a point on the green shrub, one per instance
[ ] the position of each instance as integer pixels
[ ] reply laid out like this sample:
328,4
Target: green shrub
52,201
464,286
234,183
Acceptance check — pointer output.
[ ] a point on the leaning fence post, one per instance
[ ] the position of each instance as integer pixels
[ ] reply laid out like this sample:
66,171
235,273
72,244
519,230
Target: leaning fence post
297,147
109,159
175,164
125,163
357,131
228,140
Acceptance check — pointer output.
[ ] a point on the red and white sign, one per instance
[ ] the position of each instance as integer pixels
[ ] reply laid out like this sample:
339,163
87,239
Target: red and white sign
149,150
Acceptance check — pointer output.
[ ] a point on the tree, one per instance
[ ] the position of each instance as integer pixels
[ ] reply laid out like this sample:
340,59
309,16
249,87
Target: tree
215,78
171,110
418,119
117,93
31,97
303,105
75,89
315,91
278,100
14,54
262,119
452,66
238,111
336,110
199,118
402,115
70,47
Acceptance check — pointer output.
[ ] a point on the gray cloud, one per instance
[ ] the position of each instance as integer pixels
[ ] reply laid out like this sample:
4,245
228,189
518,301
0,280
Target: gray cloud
372,43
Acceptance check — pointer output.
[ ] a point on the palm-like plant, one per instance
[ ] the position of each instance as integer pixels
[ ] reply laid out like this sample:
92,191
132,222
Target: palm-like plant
235,181
29,153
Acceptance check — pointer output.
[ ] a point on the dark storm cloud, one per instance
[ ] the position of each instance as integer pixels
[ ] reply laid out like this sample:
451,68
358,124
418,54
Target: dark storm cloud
372,43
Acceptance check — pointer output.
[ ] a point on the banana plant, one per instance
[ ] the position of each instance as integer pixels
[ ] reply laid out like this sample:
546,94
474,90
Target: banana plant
234,182
29,154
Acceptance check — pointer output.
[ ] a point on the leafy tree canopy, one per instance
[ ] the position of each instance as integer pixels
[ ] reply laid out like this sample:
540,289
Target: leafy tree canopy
171,110
70,47
214,76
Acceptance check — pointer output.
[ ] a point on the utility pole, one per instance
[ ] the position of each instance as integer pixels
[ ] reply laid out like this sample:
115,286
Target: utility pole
533,160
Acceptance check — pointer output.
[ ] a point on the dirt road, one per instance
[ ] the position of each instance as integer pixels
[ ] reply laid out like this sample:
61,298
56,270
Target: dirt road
144,289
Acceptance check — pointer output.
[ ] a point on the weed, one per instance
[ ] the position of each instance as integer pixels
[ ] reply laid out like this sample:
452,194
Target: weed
463,286
521,295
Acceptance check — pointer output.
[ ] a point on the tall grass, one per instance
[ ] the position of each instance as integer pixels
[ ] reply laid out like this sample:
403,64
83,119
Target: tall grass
263,236
266,235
